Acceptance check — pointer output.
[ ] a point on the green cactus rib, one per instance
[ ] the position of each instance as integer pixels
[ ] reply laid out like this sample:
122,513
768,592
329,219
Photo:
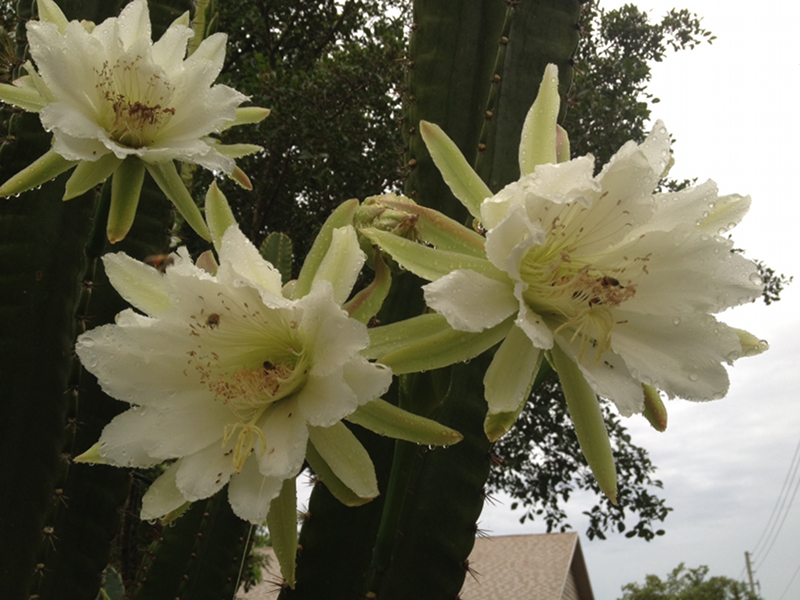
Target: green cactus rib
277,249
444,493
198,557
451,60
538,33
41,264
84,527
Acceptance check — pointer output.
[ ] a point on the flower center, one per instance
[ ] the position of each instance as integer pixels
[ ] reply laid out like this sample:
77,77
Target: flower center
250,359
572,291
136,101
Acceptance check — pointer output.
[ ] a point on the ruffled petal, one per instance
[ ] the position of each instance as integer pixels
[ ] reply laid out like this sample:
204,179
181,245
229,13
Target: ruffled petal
250,493
470,301
332,338
163,496
286,435
138,283
680,355
203,473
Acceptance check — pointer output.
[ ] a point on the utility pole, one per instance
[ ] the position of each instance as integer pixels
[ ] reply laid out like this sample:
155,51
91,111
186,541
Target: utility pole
749,572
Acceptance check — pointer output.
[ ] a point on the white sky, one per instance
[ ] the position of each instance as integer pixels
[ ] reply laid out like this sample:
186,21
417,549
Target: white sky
731,108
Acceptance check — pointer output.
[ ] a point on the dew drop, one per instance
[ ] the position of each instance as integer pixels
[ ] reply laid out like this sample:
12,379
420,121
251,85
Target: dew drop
693,377
676,321
756,278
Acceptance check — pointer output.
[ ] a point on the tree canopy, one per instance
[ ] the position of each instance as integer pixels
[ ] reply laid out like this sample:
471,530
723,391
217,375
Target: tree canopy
688,584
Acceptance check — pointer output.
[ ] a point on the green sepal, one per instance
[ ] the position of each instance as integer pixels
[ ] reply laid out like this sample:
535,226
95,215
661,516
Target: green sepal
346,457
431,263
91,456
389,420
49,12
445,346
89,174
538,141
166,176
335,485
584,410
218,214
654,410
23,94
516,352
282,524
366,303
563,151
342,216
441,231
246,116
389,338
457,173
126,187
48,166
172,515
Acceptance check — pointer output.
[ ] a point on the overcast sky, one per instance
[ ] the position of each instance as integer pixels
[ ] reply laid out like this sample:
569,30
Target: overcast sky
732,108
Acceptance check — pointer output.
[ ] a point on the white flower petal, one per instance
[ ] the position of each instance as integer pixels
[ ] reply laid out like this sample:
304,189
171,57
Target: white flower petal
138,283
368,380
170,51
507,243
342,263
680,355
286,434
134,23
248,262
124,439
250,493
326,400
332,337
203,473
163,495
531,323
470,301
608,377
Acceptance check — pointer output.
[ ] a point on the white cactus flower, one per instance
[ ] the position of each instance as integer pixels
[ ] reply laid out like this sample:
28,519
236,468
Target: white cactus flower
231,378
117,103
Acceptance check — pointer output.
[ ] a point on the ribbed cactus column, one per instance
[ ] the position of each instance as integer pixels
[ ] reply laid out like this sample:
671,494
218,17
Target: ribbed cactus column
474,69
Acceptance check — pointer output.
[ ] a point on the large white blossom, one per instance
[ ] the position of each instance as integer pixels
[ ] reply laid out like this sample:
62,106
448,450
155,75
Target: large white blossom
623,280
116,102
231,378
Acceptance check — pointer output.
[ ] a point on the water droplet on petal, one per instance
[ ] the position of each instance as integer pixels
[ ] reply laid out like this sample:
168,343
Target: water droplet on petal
676,321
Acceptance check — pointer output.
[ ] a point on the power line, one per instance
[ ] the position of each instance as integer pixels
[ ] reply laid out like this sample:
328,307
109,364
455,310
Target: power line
790,583
785,514
769,528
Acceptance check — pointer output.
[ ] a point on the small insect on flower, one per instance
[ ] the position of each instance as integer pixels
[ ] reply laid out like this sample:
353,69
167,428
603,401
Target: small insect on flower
213,320
160,262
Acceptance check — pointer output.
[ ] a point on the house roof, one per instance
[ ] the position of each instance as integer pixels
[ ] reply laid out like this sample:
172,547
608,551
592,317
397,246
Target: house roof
527,567
511,567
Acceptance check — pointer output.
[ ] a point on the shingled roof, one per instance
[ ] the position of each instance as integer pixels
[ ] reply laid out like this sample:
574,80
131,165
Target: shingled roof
546,566
528,567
